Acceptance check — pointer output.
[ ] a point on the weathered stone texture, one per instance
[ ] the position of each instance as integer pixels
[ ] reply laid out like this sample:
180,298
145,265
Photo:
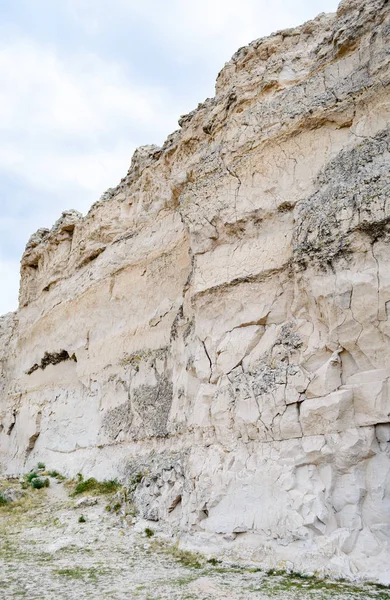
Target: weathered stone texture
217,326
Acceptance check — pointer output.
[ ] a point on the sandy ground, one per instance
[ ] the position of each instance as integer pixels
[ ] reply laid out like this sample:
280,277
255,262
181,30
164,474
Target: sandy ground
47,554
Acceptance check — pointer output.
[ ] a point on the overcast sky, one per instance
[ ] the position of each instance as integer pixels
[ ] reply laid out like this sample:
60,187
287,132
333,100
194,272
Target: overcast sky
84,82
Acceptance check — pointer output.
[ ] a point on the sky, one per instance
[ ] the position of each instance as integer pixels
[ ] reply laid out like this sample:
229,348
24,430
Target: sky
84,82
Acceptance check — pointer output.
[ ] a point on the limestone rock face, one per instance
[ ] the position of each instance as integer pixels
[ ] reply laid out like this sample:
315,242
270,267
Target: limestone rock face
216,329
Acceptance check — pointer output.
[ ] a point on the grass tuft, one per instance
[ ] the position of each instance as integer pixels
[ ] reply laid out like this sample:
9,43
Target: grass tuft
38,483
95,486
149,532
185,557
73,573
134,482
56,475
87,573
214,561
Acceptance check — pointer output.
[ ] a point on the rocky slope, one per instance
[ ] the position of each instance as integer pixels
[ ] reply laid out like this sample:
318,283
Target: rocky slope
47,553
218,323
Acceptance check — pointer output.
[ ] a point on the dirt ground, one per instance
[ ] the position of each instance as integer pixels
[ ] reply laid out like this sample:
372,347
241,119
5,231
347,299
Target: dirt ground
51,550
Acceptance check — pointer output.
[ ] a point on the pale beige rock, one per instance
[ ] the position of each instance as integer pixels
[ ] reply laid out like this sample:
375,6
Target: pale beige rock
217,326
328,414
326,379
290,426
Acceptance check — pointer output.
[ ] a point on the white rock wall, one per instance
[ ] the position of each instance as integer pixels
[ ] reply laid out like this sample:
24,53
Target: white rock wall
219,321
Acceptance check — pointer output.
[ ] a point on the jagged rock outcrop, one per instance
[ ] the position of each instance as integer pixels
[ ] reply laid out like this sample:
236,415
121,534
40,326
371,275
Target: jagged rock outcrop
216,329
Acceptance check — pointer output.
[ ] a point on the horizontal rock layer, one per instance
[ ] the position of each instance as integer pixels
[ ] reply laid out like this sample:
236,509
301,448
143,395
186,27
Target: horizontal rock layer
216,328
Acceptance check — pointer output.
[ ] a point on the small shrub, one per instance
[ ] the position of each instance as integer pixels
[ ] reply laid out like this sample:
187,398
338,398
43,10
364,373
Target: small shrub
106,487
82,519
116,507
41,466
3,501
30,476
53,474
149,532
85,486
98,487
37,483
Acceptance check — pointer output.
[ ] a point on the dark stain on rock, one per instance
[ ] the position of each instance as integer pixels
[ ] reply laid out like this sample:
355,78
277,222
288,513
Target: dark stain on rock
117,420
153,403
351,200
51,358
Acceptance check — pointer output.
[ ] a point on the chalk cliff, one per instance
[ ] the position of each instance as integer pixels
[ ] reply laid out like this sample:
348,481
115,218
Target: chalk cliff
219,322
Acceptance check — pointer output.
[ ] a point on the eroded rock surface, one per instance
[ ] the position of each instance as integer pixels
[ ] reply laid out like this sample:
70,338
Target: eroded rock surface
216,328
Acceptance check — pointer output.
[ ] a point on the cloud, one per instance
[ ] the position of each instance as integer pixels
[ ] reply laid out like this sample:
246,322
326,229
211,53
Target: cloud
68,98
209,30
68,122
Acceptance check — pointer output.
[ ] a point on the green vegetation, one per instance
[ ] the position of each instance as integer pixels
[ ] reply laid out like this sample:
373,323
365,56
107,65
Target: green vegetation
277,581
185,580
73,573
130,490
149,532
213,561
80,572
135,358
38,483
3,501
134,482
82,519
30,476
95,486
56,475
33,480
185,557
41,466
